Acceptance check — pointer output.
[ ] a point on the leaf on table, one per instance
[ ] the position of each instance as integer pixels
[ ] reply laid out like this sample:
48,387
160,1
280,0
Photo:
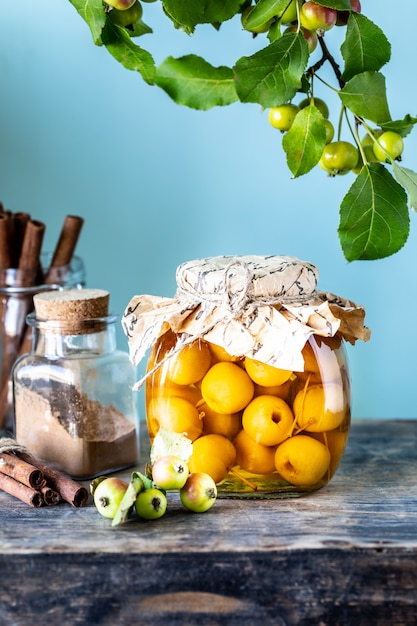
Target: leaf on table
136,485
365,95
167,443
365,48
273,75
130,55
186,14
92,11
193,82
305,140
408,179
374,216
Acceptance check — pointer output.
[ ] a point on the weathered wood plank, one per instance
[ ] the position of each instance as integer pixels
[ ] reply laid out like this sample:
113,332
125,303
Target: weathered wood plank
346,554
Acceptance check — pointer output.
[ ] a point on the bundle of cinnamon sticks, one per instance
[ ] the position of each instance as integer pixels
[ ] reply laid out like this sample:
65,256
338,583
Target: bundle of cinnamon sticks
21,239
37,484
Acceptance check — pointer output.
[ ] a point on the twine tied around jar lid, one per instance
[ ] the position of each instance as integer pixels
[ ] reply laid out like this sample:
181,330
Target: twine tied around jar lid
243,281
262,307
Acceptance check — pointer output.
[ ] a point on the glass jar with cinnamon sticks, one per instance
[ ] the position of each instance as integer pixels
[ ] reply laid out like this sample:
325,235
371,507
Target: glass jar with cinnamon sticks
24,271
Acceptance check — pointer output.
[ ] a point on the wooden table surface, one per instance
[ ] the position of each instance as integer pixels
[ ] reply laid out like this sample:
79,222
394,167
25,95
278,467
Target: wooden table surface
344,555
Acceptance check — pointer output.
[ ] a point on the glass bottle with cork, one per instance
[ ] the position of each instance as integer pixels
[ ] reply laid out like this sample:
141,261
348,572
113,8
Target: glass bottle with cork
74,404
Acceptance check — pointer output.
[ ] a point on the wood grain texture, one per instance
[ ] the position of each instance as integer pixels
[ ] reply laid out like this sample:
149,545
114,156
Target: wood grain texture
344,555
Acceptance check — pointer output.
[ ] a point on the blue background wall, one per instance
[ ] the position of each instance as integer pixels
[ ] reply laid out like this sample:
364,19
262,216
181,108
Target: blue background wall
159,184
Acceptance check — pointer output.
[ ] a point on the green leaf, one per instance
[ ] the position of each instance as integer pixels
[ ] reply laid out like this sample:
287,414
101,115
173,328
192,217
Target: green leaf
402,127
374,216
264,11
193,82
365,47
135,486
365,95
92,11
408,179
131,56
305,140
139,28
272,75
188,13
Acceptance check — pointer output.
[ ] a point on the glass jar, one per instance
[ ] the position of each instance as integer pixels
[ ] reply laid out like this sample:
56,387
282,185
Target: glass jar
17,288
74,404
247,377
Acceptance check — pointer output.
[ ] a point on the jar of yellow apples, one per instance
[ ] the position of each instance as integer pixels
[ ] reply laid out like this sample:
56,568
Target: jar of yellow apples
247,377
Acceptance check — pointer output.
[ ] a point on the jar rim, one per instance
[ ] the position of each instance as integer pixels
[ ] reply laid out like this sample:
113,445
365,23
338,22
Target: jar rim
72,327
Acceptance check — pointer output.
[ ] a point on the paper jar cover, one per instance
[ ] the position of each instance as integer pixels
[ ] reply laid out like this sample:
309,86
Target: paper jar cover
263,307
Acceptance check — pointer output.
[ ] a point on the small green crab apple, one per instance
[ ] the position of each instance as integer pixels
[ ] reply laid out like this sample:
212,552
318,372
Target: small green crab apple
339,157
170,472
389,146
282,117
108,495
151,503
199,492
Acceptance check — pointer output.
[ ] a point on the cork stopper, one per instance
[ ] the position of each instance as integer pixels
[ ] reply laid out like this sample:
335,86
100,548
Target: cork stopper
72,305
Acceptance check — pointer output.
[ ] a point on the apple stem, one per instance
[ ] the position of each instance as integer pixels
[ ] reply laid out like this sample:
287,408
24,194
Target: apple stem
243,479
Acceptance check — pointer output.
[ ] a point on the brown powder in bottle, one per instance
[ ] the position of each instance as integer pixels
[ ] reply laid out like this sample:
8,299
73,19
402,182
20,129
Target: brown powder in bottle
68,430
57,421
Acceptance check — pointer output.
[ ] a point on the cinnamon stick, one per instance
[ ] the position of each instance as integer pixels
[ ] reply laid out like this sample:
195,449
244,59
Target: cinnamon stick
19,490
68,489
20,220
18,469
67,240
50,496
31,246
5,247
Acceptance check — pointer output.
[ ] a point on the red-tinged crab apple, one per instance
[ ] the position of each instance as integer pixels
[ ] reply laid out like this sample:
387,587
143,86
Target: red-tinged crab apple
151,503
343,16
309,35
120,5
316,17
127,17
108,495
199,492
170,472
